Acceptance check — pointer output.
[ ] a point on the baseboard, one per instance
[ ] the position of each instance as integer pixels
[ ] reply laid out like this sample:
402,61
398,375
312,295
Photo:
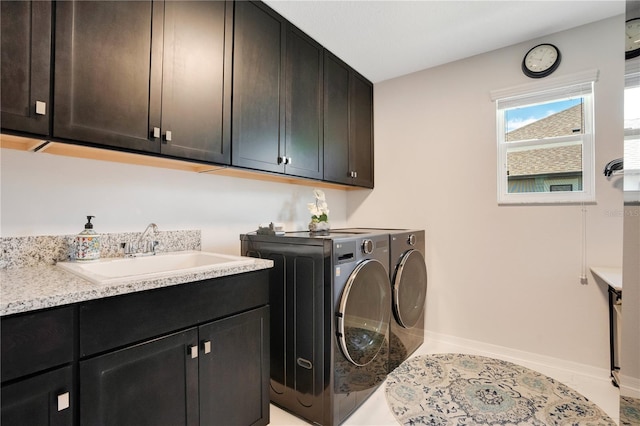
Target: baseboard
515,355
629,386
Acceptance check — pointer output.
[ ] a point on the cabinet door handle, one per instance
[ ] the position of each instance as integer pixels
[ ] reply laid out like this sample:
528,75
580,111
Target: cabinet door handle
206,346
156,132
193,351
63,401
41,108
282,160
167,136
353,174
288,160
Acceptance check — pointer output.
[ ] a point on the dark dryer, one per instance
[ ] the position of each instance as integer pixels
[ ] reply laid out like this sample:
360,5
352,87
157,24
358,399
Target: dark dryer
408,276
409,284
330,299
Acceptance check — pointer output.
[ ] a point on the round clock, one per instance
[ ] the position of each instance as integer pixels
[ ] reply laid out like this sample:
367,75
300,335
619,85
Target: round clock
541,60
632,38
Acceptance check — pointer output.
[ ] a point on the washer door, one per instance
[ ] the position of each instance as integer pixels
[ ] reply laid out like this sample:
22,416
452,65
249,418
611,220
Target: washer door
364,312
409,289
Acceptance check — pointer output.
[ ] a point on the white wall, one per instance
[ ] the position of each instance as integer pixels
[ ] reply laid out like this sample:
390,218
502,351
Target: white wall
44,194
505,275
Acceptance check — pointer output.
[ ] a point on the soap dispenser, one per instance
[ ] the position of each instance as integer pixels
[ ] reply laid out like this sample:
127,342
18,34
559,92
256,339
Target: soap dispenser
88,242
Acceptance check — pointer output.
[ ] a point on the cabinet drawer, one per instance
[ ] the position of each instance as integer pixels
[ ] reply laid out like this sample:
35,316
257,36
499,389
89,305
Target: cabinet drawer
122,320
36,341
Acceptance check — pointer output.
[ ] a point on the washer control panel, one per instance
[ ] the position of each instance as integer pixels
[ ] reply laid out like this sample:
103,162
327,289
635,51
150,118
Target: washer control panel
344,252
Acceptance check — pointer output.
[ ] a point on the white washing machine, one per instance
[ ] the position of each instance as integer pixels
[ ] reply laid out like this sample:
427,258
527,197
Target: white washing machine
330,302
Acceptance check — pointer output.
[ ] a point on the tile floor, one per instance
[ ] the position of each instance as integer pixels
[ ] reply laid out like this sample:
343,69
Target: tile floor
375,412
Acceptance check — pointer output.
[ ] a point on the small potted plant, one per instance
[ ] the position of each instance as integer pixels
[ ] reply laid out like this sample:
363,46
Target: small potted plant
319,213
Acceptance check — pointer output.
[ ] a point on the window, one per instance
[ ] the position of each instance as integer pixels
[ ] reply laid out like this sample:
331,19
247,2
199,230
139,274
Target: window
632,127
545,141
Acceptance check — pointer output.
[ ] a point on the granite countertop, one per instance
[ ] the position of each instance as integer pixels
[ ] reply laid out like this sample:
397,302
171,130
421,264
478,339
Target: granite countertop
38,287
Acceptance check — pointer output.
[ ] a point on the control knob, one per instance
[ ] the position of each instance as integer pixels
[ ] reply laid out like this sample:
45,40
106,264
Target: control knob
412,240
367,246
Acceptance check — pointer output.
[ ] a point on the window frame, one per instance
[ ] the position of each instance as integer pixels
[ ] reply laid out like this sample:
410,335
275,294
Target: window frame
558,88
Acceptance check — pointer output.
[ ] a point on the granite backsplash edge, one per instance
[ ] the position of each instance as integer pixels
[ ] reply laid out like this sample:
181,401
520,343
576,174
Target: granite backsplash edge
20,252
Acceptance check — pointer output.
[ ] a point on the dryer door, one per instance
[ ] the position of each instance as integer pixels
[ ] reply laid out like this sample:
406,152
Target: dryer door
364,312
409,289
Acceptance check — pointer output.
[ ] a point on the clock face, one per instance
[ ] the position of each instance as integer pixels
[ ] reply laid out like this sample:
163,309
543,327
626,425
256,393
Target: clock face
541,60
632,38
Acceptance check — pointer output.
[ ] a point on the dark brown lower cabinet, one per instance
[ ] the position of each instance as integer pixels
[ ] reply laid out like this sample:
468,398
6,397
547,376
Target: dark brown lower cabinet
36,370
190,354
43,400
232,386
207,375
153,383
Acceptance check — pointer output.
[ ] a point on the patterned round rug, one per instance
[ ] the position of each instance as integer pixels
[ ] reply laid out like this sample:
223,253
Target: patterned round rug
629,411
459,389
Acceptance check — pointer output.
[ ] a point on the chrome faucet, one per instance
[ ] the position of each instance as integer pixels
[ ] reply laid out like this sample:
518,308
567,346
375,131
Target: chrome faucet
153,227
144,246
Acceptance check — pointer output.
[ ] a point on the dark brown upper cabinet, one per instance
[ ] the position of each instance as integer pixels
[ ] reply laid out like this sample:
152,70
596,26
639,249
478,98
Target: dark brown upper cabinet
303,122
26,66
145,76
348,125
277,95
107,86
258,87
196,77
209,81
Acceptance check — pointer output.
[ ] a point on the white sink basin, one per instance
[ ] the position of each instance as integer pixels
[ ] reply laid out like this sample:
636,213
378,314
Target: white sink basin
163,265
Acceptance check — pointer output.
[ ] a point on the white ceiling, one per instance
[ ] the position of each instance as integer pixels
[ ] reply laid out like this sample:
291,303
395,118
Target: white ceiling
386,39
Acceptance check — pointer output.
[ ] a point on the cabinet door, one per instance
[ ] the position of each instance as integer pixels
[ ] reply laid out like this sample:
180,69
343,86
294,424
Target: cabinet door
348,125
336,120
106,86
196,98
303,132
361,129
26,60
46,399
153,383
234,370
258,88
